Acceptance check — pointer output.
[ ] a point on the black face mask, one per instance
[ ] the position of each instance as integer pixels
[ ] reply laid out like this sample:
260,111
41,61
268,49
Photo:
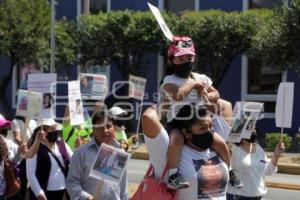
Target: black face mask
203,141
52,136
252,139
119,123
183,70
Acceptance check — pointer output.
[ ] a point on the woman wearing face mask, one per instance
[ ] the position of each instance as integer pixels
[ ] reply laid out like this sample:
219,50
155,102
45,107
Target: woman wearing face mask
203,168
250,160
47,170
185,86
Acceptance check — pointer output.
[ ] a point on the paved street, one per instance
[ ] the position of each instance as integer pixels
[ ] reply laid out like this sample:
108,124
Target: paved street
137,169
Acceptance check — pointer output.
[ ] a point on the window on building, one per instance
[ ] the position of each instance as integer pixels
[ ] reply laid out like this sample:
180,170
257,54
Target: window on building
179,6
262,79
265,3
95,6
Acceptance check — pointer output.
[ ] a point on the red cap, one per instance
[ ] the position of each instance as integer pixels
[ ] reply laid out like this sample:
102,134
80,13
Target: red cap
181,45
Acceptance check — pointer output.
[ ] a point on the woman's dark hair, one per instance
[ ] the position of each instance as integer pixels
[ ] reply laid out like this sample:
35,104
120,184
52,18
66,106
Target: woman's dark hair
188,115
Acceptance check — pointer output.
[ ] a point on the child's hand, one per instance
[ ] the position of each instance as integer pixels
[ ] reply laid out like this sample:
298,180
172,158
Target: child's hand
198,86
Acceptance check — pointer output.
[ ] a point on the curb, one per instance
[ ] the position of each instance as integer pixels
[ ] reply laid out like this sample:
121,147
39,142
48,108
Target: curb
282,168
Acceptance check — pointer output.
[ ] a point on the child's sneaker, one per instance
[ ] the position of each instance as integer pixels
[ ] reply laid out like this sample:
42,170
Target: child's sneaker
176,181
234,181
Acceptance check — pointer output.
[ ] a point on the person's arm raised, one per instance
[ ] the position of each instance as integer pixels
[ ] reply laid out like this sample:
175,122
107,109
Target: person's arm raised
150,122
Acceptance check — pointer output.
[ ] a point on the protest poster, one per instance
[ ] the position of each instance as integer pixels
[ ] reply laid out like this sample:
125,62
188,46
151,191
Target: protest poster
93,86
45,84
137,87
245,115
29,104
161,22
284,106
75,103
110,164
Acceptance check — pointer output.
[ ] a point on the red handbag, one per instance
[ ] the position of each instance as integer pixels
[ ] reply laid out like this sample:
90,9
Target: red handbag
152,189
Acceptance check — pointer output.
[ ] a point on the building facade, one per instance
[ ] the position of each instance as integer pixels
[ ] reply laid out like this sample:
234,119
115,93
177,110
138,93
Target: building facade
245,80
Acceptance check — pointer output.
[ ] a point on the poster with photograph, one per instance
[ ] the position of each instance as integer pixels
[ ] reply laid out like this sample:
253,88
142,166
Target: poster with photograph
160,20
110,164
93,86
245,115
75,103
45,84
137,87
29,104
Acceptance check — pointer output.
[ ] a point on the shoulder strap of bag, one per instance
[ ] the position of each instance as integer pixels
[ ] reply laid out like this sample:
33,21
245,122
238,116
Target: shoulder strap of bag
150,172
58,162
70,134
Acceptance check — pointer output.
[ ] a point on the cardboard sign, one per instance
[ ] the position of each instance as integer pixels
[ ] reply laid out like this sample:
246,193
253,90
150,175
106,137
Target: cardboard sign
93,86
245,115
45,84
161,22
137,87
75,103
284,105
29,104
110,164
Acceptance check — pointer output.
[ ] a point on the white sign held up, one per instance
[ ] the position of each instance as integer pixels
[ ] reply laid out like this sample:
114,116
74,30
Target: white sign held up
161,22
29,104
137,87
45,84
75,103
284,105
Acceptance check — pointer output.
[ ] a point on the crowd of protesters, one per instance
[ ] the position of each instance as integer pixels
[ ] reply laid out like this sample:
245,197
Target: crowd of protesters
55,160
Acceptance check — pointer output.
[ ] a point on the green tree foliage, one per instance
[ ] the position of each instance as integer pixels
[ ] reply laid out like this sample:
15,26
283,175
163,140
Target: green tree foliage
219,38
272,139
121,37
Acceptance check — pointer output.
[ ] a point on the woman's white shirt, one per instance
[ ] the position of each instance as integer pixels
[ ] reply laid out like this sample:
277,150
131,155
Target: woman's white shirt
56,177
251,169
198,168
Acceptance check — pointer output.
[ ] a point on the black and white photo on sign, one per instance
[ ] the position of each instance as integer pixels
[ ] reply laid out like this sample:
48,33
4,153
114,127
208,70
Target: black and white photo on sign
93,86
45,84
245,116
110,164
75,103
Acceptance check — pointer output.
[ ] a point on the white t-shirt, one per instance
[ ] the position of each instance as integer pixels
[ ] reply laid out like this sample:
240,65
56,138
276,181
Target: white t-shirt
192,97
197,167
251,169
18,125
56,178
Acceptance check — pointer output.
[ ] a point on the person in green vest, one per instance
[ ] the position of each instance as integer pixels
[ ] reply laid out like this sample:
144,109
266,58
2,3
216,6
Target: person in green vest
74,136
118,114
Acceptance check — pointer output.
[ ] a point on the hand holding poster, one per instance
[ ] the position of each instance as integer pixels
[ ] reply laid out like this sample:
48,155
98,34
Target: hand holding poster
161,21
93,86
137,87
245,115
75,103
45,84
110,164
29,104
